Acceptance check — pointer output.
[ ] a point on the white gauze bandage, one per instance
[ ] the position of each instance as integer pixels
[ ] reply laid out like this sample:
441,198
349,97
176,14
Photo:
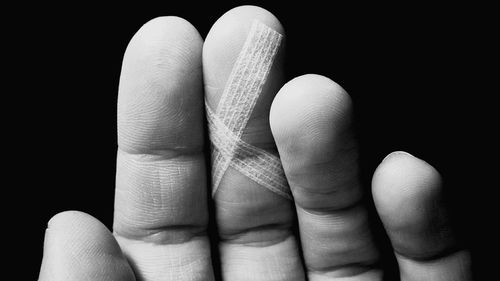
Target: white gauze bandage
228,121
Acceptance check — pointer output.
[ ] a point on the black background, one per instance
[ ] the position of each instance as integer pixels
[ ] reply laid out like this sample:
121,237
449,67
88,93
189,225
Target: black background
415,73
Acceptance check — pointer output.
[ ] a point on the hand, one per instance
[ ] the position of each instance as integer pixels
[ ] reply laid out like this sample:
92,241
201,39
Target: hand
161,207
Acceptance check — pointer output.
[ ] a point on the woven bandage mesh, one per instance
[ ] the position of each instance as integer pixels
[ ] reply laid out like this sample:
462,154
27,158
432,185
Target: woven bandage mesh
228,121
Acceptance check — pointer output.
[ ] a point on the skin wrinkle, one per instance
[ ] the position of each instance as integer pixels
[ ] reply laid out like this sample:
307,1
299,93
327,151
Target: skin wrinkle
158,261
258,260
335,175
177,234
156,195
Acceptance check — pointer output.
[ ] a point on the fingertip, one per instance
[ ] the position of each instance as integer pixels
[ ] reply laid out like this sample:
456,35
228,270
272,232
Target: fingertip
71,226
66,219
407,195
403,180
165,41
235,24
251,12
225,41
309,112
164,47
77,244
305,91
157,28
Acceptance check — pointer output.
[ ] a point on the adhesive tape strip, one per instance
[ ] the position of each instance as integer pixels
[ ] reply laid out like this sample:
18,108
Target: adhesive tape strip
228,121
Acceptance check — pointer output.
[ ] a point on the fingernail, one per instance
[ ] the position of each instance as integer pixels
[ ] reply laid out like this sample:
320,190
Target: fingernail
399,152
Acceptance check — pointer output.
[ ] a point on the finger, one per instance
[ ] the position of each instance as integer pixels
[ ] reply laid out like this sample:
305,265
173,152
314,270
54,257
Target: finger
254,223
161,208
407,194
78,247
311,123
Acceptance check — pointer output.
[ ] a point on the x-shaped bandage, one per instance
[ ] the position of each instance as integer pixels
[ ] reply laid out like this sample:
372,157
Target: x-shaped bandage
228,121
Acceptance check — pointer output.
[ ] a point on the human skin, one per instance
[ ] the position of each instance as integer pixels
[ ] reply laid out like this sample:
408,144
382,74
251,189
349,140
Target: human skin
161,210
